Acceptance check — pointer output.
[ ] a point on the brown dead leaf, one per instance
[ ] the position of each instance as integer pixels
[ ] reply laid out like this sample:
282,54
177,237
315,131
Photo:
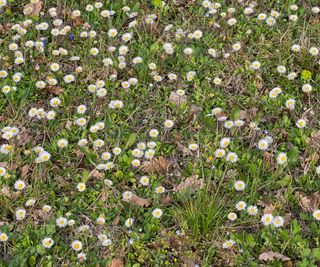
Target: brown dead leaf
24,171
2,118
308,203
185,151
4,28
40,215
268,207
116,263
96,174
86,26
248,114
166,200
192,183
116,220
56,90
33,9
270,256
314,140
61,182
142,202
3,164
155,165
5,191
24,137
176,99
104,195
287,219
269,158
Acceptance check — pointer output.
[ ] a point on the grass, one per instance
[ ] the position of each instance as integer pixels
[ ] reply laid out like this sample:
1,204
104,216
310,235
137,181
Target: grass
179,170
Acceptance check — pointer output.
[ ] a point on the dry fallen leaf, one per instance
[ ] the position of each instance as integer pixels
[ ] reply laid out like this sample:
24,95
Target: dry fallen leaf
142,202
268,207
270,255
24,171
24,137
155,165
3,164
185,151
56,90
4,28
104,195
314,140
96,174
5,191
176,99
308,203
33,9
192,183
116,220
2,118
166,200
61,182
116,263
40,215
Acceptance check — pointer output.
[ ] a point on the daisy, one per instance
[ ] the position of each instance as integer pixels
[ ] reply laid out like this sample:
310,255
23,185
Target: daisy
62,143
76,245
232,216
263,144
112,33
314,51
20,214
81,187
316,215
144,180
159,190
232,157
282,158
82,256
46,208
30,202
193,147
267,219
129,222
219,153
241,205
135,163
61,222
239,185
47,242
306,88
236,46
149,154
290,104
68,78
3,171
153,133
252,210
44,156
224,142
3,237
228,244
117,151
157,213
278,221
168,124
301,123
101,220
255,65
127,195
281,69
